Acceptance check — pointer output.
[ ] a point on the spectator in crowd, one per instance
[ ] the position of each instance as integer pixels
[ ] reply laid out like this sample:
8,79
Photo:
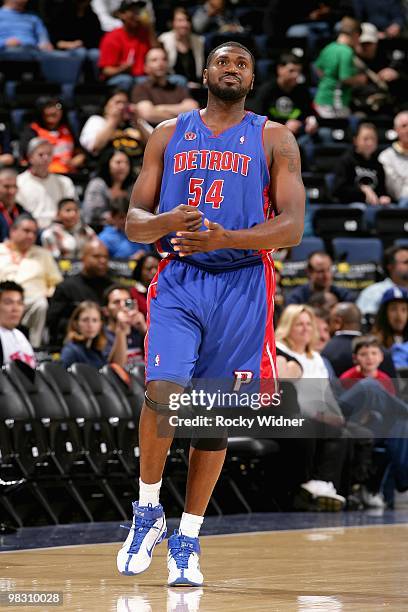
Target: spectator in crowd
395,264
106,11
34,269
185,50
113,235
368,356
395,162
89,284
75,28
9,208
6,155
338,74
214,16
13,343
39,191
86,341
359,176
345,325
114,179
157,98
323,331
122,51
323,299
67,236
387,17
22,35
391,323
51,123
387,75
296,336
143,274
119,128
320,273
285,99
120,308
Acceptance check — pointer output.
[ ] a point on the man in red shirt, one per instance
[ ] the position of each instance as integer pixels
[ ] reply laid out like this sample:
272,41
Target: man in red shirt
367,355
123,50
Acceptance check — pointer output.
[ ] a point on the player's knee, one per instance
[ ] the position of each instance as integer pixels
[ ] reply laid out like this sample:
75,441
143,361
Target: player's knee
159,395
210,444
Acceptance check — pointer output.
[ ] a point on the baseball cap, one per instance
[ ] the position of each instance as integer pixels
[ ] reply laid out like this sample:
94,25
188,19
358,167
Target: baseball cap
369,33
127,5
395,293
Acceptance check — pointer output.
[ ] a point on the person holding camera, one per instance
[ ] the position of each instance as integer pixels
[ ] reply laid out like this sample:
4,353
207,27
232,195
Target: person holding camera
125,326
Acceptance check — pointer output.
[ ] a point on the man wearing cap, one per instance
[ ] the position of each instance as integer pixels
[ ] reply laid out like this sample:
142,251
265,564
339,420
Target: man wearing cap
396,265
386,74
123,50
39,191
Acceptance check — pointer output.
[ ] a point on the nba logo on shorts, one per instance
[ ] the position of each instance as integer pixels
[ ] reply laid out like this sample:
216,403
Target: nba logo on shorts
157,360
190,135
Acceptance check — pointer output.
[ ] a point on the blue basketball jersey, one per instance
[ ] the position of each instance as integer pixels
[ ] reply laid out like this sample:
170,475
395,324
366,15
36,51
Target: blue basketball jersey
225,176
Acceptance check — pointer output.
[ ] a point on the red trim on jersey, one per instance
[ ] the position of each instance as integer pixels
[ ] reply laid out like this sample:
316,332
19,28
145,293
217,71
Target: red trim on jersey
152,293
268,371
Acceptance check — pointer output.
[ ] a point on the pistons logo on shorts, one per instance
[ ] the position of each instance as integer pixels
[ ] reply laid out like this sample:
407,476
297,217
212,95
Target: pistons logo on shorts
190,135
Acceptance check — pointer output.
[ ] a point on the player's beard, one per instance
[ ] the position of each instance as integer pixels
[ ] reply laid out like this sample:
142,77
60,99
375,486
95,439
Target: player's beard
230,94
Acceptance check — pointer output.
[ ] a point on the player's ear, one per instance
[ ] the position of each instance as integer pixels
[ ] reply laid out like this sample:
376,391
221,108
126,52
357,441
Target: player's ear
205,76
252,82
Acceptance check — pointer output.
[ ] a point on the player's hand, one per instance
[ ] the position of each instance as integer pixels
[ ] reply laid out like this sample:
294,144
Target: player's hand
184,218
188,243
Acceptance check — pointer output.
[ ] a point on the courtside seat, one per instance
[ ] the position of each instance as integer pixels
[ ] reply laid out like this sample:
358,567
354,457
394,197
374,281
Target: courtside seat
335,220
391,223
358,250
302,251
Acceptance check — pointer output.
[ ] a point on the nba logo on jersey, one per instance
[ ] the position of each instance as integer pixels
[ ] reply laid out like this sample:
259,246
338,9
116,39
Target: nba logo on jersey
242,139
190,135
157,360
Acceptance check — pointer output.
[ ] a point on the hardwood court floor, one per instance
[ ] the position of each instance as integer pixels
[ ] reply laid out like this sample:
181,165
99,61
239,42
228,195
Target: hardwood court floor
362,569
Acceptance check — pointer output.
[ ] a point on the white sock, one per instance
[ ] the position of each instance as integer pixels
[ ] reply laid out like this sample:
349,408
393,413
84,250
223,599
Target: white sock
190,524
149,493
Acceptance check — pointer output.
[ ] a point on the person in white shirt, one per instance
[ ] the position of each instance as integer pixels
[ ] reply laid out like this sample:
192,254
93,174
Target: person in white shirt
34,269
13,344
396,265
395,162
39,191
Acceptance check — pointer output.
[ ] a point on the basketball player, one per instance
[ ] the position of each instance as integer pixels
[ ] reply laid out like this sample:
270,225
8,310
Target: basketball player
229,190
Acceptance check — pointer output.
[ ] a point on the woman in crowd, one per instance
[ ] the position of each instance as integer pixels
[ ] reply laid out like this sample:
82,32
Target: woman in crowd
185,50
391,323
359,176
114,179
143,274
117,128
297,336
86,341
51,123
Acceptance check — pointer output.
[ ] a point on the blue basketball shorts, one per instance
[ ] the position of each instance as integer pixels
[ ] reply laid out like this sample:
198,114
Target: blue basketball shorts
210,325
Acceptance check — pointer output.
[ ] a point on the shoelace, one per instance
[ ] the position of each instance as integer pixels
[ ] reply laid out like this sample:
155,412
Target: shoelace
181,554
140,530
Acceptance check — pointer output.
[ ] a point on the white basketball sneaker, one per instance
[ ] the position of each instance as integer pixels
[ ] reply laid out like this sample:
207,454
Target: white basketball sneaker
148,529
183,561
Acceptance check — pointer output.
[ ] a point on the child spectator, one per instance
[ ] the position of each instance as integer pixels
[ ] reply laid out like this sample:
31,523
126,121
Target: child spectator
114,237
13,344
143,275
367,355
67,236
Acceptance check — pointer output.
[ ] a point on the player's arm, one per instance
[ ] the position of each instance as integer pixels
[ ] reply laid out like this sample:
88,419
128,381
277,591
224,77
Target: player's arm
142,224
287,195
